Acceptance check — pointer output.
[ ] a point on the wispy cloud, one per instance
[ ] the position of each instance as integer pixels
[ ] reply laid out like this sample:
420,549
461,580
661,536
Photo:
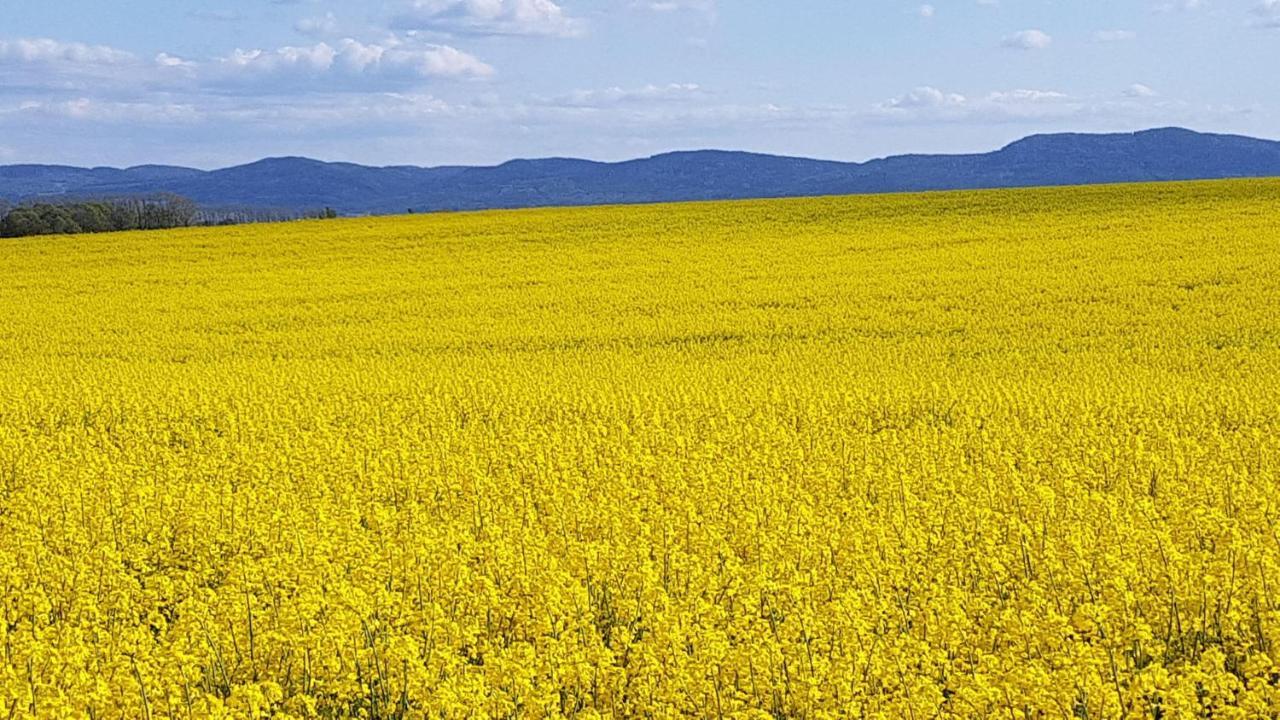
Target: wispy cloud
107,111
617,95
224,16
708,7
1180,6
318,26
931,105
1266,14
489,17
1114,36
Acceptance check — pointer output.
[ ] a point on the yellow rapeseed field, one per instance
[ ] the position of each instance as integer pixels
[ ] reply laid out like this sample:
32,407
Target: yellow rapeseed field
1006,454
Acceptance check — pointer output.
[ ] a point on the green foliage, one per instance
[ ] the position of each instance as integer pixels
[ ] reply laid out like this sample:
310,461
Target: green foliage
142,213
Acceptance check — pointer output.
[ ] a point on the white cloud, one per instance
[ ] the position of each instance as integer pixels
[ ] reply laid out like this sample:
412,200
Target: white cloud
674,5
44,50
931,105
930,101
923,97
52,67
223,16
230,115
617,95
931,98
320,26
315,59
345,110
1111,36
1267,14
106,111
1028,40
345,61
1180,6
165,60
43,65
490,17
1027,96
1138,104
927,11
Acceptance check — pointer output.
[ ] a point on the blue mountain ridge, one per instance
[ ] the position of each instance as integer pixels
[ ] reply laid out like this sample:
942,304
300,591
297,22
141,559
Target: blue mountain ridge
300,184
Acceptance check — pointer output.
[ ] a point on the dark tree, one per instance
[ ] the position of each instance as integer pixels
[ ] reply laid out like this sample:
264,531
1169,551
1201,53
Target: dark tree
151,212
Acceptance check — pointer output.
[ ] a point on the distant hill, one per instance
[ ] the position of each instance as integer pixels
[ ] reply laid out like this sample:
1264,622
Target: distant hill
302,184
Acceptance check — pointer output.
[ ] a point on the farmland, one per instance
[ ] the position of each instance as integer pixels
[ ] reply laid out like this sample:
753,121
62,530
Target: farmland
996,454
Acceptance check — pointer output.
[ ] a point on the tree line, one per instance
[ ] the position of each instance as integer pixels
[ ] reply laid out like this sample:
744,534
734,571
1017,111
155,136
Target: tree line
152,212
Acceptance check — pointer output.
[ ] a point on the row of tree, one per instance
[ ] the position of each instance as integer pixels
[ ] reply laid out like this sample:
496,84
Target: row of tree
152,212
244,216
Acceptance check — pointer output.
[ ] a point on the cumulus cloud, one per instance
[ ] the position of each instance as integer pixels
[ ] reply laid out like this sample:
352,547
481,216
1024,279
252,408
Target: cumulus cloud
346,65
927,11
1028,40
923,97
346,60
43,65
489,17
47,51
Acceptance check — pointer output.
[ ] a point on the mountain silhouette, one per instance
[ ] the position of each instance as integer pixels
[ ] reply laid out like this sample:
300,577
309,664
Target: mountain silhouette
300,184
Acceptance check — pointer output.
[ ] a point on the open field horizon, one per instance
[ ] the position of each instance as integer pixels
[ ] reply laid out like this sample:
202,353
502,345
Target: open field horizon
957,454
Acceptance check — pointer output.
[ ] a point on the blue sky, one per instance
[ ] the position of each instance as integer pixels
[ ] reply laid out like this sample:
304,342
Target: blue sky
432,82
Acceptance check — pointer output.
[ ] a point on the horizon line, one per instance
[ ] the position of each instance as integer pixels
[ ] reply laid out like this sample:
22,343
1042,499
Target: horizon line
688,151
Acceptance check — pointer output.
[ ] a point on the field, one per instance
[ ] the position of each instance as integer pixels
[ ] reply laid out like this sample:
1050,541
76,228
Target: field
1006,454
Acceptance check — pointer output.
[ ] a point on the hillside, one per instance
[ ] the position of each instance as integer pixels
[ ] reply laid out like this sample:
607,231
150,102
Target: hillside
302,184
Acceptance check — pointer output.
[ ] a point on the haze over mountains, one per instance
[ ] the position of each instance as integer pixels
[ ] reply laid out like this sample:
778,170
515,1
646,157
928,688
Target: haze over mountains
301,184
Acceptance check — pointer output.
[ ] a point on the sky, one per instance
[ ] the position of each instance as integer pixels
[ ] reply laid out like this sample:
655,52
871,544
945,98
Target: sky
444,82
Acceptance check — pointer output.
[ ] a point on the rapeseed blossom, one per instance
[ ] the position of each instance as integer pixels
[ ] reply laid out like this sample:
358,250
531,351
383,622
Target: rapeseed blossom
999,454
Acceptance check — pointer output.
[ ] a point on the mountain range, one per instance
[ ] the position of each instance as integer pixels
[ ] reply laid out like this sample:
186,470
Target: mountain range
301,184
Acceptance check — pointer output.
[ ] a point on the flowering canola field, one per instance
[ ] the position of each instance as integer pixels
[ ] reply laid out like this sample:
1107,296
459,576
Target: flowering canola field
1001,454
